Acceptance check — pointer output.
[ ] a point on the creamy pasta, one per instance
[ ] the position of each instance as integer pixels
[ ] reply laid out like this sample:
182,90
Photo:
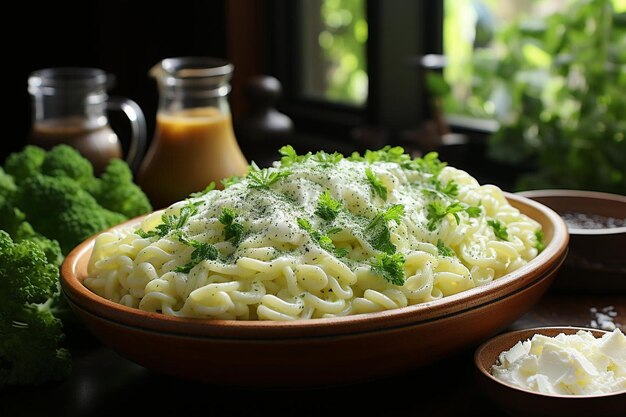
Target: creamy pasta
317,236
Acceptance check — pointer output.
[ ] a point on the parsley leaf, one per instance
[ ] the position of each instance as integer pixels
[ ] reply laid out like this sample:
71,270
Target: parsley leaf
451,189
436,211
473,211
171,222
327,207
290,156
381,236
430,164
264,178
540,245
202,251
227,182
208,188
326,158
390,267
232,230
443,249
498,229
323,240
376,184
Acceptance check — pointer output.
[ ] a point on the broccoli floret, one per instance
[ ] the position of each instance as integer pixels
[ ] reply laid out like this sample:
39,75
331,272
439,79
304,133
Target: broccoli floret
23,165
117,192
7,185
50,248
29,332
58,208
26,276
65,161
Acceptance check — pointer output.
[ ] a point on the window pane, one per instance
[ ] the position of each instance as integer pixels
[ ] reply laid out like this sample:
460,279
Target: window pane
333,38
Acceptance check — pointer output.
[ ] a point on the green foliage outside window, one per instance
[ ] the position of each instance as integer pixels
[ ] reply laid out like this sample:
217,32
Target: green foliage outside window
343,41
561,83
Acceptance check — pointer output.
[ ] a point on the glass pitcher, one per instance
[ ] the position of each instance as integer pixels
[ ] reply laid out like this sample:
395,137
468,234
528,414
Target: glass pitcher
70,106
194,142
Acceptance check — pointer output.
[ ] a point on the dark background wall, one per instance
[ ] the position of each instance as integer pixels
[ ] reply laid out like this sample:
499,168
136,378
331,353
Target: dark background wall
122,37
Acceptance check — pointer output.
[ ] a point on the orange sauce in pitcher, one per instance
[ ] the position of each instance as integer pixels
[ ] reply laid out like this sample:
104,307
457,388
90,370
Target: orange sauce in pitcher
191,148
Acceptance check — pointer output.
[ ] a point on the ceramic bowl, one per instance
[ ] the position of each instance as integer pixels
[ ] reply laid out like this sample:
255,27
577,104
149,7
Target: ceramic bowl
317,352
519,402
595,261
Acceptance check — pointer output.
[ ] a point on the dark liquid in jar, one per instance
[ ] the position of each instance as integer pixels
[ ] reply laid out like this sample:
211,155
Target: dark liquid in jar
591,221
98,144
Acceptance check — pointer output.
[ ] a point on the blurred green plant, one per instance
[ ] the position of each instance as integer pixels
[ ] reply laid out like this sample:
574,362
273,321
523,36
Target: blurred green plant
343,41
560,89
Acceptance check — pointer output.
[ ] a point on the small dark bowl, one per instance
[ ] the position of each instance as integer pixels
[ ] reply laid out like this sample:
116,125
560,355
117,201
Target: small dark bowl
595,261
520,402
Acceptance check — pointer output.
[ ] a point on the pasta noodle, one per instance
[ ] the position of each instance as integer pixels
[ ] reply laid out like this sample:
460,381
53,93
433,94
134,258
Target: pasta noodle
317,236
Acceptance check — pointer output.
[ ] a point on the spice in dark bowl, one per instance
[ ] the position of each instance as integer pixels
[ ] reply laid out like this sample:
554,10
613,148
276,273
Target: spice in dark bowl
597,227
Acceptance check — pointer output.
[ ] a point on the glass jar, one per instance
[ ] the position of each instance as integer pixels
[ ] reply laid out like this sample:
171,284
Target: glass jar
70,107
194,142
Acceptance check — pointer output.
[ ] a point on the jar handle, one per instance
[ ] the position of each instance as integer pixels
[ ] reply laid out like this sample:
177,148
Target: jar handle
138,126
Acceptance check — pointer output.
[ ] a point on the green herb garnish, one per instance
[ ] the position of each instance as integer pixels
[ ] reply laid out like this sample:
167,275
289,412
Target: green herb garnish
289,156
327,158
376,184
327,207
171,222
473,211
380,238
498,229
208,188
264,178
229,181
232,230
436,211
202,251
443,249
390,267
539,245
323,240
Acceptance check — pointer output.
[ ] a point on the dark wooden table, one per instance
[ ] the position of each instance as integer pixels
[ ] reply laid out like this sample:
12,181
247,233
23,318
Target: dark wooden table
104,384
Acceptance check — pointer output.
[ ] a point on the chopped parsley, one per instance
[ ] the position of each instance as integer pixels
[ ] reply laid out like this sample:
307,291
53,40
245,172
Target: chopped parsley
202,251
229,181
327,158
327,207
264,178
323,240
473,211
380,236
498,229
208,188
289,156
436,211
376,184
232,230
390,267
539,245
443,249
171,222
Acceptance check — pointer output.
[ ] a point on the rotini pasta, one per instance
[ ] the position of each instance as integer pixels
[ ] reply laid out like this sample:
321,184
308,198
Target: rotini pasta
317,236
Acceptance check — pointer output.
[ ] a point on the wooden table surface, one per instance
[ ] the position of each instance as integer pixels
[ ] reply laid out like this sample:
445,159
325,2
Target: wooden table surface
104,384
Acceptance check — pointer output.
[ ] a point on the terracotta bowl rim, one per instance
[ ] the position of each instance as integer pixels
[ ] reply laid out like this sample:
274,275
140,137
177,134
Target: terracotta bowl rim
521,335
583,195
544,265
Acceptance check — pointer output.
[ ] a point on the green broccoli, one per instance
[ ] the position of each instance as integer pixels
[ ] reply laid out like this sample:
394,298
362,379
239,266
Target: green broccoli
23,165
58,208
29,332
7,185
65,161
117,192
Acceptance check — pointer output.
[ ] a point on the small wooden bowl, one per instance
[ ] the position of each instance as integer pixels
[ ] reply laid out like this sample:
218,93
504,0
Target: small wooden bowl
317,352
597,253
520,402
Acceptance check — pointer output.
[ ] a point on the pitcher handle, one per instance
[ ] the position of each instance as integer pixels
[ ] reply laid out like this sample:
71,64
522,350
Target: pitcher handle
138,126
